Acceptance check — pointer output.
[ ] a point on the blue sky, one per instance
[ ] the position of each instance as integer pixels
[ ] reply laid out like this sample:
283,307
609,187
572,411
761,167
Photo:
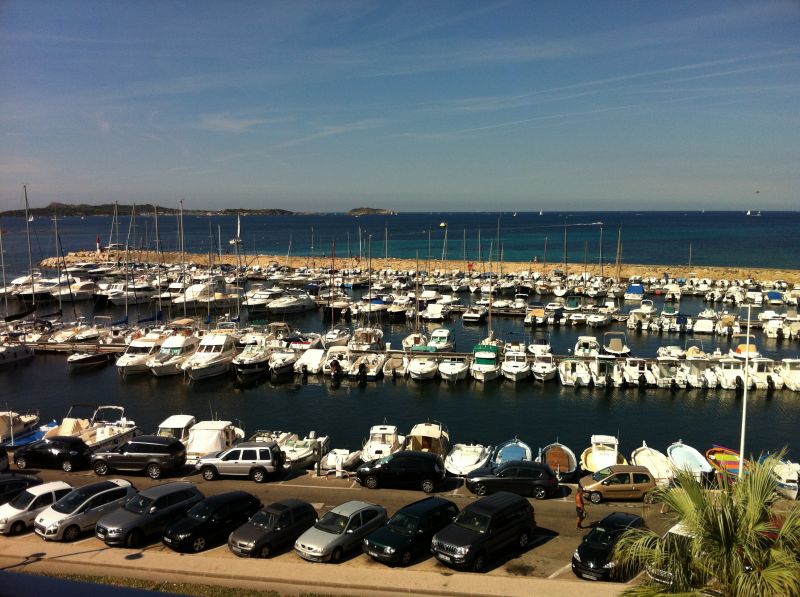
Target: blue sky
415,106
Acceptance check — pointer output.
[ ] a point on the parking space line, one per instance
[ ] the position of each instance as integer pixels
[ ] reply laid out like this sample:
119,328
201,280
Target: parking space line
561,570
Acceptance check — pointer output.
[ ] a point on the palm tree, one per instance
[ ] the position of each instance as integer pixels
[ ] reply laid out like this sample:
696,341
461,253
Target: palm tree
733,539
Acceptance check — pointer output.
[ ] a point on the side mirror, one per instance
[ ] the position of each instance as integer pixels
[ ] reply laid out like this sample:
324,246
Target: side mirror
152,510
605,482
349,531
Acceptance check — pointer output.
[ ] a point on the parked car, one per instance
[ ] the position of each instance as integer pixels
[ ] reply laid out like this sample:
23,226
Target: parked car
81,508
406,468
256,460
3,460
210,521
147,513
592,559
11,485
484,528
151,453
61,451
19,514
682,538
517,476
409,532
272,528
618,482
339,531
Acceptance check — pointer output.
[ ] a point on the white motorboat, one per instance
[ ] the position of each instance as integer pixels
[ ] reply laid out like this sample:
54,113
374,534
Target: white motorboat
656,462
442,340
395,364
368,366
700,372
14,425
338,361
176,426
763,374
106,428
281,362
383,440
544,368
414,339
11,354
175,351
341,459
269,435
366,338
606,371
465,458
559,458
310,361
669,373
787,474
422,363
338,335
603,452
789,370
430,436
139,351
296,303
214,356
486,363
303,453
254,359
474,314
574,373
207,437
615,344
637,373
454,368
513,449
730,374
81,361
515,366
686,458
305,341
587,347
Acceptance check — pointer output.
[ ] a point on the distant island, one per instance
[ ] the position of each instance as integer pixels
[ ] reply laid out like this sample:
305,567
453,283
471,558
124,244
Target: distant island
370,211
107,209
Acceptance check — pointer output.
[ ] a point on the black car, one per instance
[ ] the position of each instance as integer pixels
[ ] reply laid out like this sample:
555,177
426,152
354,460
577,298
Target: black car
274,527
3,459
406,468
517,476
592,560
61,451
210,521
409,531
151,453
11,485
484,528
147,513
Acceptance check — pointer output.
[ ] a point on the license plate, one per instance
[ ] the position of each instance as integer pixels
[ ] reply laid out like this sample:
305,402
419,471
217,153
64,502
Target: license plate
167,540
445,558
588,576
374,554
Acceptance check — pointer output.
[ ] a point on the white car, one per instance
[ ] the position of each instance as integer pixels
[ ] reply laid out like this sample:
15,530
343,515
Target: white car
80,509
19,514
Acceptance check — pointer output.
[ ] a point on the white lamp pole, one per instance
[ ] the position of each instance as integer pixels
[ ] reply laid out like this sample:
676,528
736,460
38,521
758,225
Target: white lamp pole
744,395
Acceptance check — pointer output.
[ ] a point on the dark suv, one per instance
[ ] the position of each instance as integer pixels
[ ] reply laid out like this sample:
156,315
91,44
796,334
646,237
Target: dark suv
409,532
272,528
11,485
3,459
210,521
147,513
406,468
517,476
151,453
61,451
483,528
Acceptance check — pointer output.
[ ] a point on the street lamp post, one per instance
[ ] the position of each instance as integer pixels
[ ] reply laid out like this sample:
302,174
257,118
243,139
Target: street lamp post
744,394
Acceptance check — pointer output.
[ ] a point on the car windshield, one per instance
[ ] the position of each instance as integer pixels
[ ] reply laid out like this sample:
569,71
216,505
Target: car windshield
403,524
332,523
71,501
386,459
23,500
264,520
602,474
138,504
472,521
200,511
602,536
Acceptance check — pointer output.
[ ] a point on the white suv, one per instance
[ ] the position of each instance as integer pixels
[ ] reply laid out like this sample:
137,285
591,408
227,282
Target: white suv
18,514
80,510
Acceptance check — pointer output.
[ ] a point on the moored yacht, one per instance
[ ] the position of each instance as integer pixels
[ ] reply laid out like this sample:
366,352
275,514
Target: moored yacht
139,351
175,351
214,356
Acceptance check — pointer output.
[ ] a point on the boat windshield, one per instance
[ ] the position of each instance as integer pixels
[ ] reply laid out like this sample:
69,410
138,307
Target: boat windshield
403,524
175,432
138,350
23,500
264,520
602,474
332,523
380,438
472,521
172,352
138,504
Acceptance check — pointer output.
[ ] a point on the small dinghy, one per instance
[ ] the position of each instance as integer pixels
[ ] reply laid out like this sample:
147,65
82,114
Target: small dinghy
559,458
465,458
513,449
787,474
341,459
654,461
603,452
686,458
725,460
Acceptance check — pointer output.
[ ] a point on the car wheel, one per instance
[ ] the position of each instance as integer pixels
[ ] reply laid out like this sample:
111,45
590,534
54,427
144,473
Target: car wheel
405,559
523,540
18,528
72,533
101,468
199,544
336,556
134,538
371,482
539,492
479,563
21,462
259,475
209,473
66,465
595,497
480,489
264,551
153,471
427,486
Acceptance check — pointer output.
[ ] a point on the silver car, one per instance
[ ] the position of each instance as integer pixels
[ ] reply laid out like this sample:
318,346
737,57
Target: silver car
256,460
340,530
80,510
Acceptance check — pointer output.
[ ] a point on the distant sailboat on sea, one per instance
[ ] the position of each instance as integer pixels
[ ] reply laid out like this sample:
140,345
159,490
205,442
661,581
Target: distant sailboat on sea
30,218
540,212
749,213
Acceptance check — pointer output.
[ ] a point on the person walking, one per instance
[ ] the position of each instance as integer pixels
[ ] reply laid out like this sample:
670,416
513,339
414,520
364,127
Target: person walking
580,508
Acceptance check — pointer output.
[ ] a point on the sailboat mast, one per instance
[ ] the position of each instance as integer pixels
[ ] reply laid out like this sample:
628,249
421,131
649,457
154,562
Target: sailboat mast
619,253
158,259
690,255
28,234
3,268
183,260
601,251
111,232
127,261
58,261
544,258
565,249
